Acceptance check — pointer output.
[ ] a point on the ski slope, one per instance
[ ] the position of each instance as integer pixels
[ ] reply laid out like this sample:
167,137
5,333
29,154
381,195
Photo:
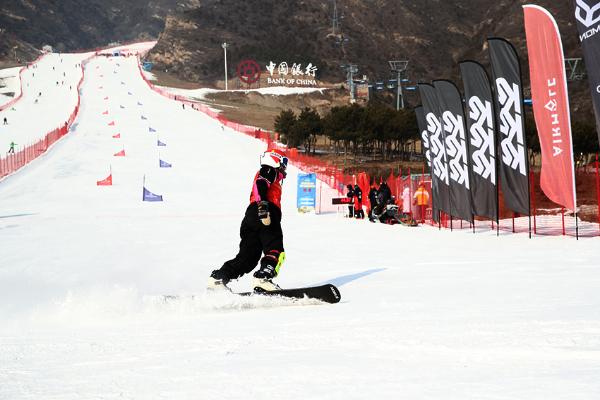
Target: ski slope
425,314
49,97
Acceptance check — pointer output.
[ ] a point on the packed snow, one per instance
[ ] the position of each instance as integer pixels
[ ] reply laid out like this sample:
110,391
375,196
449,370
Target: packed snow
425,314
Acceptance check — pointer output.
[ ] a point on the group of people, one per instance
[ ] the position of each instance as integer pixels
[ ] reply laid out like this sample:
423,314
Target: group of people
355,209
382,204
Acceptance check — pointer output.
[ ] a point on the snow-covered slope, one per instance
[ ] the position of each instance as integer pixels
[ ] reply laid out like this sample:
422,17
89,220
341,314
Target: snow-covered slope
49,97
425,314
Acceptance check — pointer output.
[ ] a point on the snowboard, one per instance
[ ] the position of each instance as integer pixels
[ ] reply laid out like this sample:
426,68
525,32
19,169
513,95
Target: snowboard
327,293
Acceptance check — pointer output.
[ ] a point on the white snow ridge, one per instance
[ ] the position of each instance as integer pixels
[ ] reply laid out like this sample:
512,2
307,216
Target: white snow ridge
425,314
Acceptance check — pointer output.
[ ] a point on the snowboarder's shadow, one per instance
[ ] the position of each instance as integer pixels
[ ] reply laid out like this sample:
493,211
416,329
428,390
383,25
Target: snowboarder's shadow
344,279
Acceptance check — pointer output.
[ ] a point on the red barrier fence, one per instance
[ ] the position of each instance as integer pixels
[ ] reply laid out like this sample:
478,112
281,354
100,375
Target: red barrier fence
12,162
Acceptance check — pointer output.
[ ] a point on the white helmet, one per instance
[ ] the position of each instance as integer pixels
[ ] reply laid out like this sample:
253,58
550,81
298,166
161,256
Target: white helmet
274,158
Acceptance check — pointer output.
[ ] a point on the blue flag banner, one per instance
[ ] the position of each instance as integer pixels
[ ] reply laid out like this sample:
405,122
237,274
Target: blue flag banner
159,143
164,164
144,117
149,196
129,93
151,130
140,104
307,192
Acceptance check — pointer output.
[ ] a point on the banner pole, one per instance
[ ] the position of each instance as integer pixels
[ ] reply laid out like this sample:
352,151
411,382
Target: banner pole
598,190
576,225
529,195
410,193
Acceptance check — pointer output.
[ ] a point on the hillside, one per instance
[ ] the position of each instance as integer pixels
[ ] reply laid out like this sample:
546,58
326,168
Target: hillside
372,33
68,25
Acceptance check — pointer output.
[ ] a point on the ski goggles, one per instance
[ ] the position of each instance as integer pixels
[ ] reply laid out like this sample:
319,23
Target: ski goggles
284,162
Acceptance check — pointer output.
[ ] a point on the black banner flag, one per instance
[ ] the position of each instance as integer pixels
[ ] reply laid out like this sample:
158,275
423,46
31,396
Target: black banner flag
457,149
422,125
440,184
513,165
482,143
587,14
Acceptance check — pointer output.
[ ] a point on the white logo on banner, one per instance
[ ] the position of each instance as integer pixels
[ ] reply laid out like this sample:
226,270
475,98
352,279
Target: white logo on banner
456,148
437,149
589,19
482,138
511,126
425,137
299,76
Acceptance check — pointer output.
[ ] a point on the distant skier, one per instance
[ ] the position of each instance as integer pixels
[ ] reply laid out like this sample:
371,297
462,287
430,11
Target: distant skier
260,230
5,121
11,149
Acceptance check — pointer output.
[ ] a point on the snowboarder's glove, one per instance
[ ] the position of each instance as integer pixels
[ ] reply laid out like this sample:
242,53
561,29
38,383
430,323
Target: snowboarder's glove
263,212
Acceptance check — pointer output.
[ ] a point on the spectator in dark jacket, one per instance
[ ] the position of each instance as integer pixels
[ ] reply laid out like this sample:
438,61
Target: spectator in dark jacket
350,195
385,194
373,194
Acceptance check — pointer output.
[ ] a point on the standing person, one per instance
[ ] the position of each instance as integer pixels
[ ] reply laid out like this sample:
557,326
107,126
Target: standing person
5,121
11,149
260,230
385,193
373,195
421,199
358,210
406,200
350,195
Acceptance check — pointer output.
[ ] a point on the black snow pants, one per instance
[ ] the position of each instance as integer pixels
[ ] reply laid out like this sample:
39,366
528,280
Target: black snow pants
257,239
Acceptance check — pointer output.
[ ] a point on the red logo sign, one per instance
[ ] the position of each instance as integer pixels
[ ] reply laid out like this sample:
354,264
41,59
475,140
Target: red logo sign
248,71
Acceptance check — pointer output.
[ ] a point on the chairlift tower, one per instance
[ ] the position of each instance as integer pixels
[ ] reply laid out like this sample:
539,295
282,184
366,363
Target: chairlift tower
351,69
574,69
335,19
399,67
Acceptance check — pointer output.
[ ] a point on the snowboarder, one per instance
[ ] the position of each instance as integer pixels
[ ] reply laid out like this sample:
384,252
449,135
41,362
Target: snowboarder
11,149
260,230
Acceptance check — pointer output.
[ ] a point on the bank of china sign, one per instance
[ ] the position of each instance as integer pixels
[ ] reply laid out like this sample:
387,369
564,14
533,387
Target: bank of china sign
294,74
